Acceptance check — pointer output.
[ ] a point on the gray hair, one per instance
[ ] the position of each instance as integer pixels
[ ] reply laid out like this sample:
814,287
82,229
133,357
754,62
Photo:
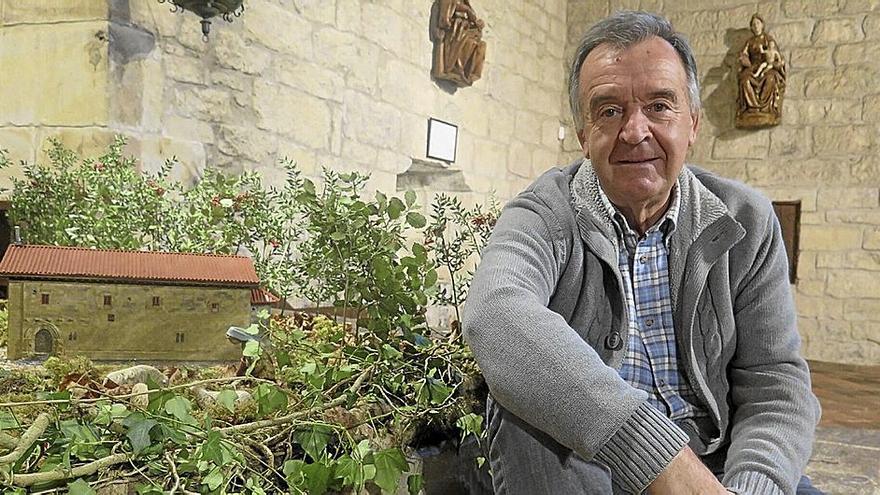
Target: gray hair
622,30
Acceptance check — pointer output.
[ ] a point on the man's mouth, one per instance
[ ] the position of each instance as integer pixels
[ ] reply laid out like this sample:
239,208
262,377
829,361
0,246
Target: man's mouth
635,160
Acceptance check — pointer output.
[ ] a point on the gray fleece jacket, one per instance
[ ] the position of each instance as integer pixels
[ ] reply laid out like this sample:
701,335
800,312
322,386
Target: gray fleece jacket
546,315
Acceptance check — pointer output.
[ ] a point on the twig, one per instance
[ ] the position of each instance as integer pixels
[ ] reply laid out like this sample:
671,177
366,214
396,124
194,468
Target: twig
7,441
60,474
173,474
27,439
257,425
127,396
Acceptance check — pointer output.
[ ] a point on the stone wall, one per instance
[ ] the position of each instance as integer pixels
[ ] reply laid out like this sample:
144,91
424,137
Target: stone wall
825,152
338,83
185,325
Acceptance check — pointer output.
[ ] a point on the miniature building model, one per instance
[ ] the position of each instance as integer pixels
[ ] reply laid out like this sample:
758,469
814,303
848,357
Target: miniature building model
120,305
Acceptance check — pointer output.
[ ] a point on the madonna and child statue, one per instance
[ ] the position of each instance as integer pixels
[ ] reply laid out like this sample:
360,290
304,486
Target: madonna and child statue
761,80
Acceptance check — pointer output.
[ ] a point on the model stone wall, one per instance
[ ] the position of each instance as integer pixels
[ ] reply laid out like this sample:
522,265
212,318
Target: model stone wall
188,323
826,152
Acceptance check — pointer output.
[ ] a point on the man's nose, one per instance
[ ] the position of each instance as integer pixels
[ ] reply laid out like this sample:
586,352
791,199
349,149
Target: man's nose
635,127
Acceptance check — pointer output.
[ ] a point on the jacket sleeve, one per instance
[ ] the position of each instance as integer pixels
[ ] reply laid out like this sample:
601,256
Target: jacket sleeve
540,369
774,410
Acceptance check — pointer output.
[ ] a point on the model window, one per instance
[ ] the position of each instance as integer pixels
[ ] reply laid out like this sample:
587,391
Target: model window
178,338
111,317
108,300
44,299
215,307
72,336
156,301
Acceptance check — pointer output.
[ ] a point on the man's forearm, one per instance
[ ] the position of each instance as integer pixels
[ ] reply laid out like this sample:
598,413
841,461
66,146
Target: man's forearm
686,475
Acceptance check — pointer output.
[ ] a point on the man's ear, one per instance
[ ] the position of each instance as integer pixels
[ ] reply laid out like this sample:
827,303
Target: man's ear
695,127
582,139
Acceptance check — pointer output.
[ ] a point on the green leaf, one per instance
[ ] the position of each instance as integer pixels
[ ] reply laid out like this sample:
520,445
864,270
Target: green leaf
8,421
313,440
390,352
80,487
254,329
227,399
416,220
251,349
292,470
470,424
430,278
390,464
317,478
337,236
179,407
308,368
138,430
350,471
214,479
414,484
395,208
269,399
410,197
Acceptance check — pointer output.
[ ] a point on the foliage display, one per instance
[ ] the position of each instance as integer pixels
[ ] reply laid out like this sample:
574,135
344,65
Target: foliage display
328,405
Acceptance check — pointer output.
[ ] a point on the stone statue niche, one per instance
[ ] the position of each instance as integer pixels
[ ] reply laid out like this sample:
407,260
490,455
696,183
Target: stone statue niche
459,49
761,80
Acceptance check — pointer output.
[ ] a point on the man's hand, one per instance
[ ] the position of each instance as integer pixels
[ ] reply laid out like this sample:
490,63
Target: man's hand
686,475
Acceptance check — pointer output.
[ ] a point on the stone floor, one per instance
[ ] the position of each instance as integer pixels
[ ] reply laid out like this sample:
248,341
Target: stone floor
846,455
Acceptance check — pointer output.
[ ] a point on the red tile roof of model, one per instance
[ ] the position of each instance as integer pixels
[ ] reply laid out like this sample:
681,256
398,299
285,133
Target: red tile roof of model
262,297
58,262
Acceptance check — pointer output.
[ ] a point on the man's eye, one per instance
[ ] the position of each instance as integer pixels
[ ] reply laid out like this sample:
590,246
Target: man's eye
608,112
659,107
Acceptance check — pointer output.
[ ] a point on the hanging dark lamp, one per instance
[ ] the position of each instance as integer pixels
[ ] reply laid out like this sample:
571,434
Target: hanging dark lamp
208,9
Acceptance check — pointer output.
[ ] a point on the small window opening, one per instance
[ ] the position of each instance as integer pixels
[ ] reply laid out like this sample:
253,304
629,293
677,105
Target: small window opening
44,299
108,300
215,307
178,338
157,301
111,317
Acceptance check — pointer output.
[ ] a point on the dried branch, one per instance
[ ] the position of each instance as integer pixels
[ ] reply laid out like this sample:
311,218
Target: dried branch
61,474
27,439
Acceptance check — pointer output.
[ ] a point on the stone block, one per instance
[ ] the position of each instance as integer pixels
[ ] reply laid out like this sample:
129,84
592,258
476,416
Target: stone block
233,51
349,55
853,284
277,28
184,69
871,108
320,11
848,197
830,238
369,121
793,34
855,260
862,310
870,217
359,154
20,144
791,142
60,77
872,239
406,86
871,26
544,159
502,122
348,16
527,127
808,57
838,30
818,306
204,103
741,144
859,6
806,195
246,142
186,129
519,159
856,53
52,11
384,27
811,288
303,117
798,173
808,8
835,140
824,111
311,78
86,142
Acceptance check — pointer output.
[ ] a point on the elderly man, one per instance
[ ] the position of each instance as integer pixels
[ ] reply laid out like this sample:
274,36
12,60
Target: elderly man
632,316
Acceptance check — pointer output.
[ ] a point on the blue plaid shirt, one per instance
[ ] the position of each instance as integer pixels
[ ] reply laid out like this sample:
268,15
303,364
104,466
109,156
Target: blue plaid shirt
651,360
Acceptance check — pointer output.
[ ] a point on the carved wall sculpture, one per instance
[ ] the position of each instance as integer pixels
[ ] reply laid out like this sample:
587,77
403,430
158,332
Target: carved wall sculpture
459,49
761,80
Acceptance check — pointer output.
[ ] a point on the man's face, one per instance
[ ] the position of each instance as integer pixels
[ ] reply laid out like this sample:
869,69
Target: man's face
638,123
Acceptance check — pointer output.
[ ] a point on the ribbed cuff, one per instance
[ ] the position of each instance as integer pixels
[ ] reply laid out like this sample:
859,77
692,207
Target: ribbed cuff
750,482
641,448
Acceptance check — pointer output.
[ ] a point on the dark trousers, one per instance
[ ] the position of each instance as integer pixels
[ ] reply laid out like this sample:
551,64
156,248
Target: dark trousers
526,461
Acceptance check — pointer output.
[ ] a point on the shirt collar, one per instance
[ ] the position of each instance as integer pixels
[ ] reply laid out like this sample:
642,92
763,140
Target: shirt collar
667,222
